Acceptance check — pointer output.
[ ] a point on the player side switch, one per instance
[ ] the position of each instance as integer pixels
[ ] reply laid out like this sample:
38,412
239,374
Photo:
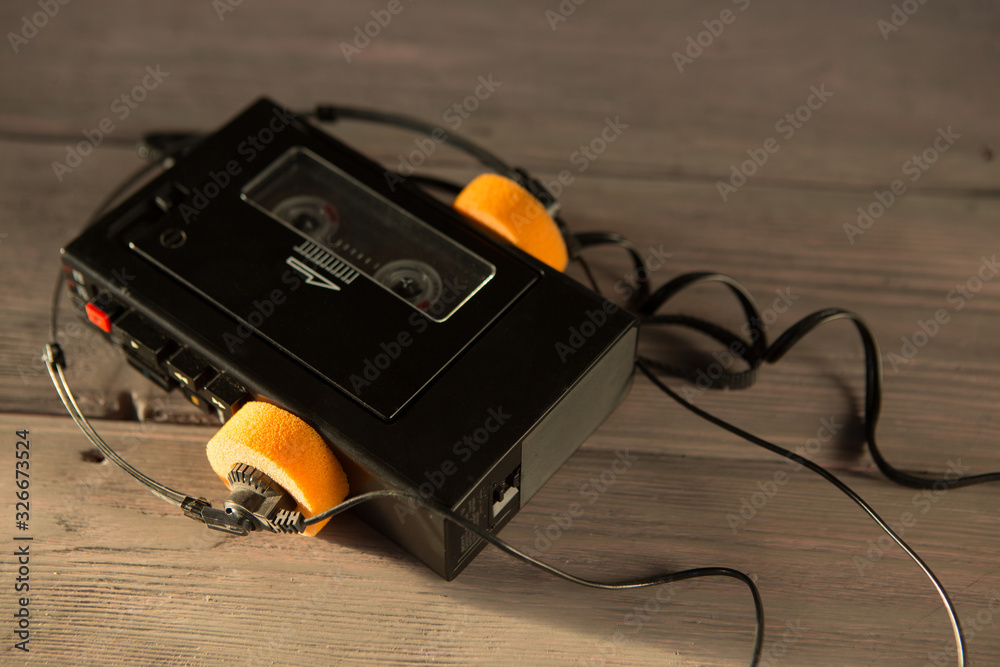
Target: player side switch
100,319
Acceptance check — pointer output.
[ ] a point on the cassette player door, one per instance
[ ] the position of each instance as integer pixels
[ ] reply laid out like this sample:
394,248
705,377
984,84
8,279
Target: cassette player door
346,281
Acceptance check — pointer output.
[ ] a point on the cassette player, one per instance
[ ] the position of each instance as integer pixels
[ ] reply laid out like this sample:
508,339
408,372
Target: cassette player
272,265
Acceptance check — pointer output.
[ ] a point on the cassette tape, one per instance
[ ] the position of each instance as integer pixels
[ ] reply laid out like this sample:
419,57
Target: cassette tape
273,264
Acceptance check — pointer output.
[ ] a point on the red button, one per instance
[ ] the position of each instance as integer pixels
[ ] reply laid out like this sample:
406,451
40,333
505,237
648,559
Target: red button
99,318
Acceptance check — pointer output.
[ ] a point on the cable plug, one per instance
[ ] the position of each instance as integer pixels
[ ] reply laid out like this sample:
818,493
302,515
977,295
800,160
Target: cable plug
326,113
54,355
201,510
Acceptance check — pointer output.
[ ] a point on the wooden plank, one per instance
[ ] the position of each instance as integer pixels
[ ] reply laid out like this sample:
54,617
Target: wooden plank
118,578
110,563
890,96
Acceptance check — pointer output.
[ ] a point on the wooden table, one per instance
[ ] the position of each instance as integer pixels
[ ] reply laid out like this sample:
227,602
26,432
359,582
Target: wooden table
117,577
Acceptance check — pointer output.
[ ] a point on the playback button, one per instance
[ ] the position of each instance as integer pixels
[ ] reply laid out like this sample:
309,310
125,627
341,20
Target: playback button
189,369
226,395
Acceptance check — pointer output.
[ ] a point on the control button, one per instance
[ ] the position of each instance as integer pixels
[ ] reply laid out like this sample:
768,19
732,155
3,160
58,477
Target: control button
190,369
98,317
197,400
142,338
226,395
164,382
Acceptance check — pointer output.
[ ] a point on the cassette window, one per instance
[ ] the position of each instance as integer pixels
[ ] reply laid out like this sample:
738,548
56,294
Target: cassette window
339,215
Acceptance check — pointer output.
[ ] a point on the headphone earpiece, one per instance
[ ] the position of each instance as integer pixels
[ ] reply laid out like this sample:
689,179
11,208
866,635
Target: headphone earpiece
505,208
287,450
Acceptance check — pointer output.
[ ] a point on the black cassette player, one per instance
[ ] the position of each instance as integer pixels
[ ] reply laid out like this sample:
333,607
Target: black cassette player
273,264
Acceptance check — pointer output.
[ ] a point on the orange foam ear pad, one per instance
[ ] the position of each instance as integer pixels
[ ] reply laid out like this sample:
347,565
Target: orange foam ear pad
287,450
503,206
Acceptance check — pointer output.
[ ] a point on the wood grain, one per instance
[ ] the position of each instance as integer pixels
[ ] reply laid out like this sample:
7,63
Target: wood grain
118,577
114,564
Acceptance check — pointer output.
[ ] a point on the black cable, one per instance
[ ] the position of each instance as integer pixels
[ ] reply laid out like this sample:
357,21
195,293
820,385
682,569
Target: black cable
641,278
756,351
752,351
734,344
643,582
828,476
873,395
758,337
873,402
